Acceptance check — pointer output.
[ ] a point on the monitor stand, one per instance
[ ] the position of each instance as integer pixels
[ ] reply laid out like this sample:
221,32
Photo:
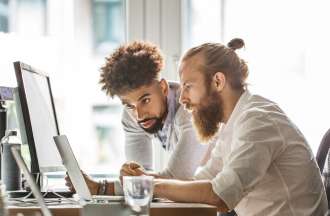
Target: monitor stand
54,193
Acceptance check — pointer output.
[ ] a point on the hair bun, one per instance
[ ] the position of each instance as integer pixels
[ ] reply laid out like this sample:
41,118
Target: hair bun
236,43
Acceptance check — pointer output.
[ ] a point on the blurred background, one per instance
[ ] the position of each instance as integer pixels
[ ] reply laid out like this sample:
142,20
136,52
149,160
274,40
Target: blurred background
287,50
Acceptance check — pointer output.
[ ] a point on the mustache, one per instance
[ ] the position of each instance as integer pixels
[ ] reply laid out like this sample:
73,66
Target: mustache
147,119
188,106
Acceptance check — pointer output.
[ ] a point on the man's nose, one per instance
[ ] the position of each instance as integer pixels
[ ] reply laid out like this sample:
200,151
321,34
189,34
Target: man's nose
139,114
183,98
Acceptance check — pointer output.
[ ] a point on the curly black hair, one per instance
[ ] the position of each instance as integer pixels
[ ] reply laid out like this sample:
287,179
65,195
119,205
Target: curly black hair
131,66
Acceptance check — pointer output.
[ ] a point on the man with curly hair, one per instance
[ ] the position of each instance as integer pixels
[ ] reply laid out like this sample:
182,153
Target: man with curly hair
152,112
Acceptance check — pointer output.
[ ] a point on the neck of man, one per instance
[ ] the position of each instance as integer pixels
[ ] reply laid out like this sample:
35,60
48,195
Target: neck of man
230,98
165,111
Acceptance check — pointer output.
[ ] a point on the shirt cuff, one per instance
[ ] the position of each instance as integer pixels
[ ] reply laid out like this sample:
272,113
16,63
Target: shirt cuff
228,187
118,188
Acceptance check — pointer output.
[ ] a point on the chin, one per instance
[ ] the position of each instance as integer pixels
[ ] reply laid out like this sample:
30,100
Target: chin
152,129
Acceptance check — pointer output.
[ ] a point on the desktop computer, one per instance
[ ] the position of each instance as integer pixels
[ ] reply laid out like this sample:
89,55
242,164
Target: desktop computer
38,124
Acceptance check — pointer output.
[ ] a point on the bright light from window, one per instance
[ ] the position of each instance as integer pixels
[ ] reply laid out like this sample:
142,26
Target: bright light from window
286,51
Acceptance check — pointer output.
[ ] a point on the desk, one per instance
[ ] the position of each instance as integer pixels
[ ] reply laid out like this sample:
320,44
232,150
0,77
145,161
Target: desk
157,209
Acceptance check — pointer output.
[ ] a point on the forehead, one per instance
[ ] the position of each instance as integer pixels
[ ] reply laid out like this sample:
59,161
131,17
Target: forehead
190,70
139,93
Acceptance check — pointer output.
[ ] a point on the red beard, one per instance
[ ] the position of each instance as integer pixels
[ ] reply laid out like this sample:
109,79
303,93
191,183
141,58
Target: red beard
208,116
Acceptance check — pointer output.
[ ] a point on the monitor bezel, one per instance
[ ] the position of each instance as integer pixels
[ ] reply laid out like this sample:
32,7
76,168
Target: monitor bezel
35,168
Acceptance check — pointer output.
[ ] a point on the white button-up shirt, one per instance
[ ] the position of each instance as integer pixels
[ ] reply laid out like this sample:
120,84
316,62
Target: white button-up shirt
262,164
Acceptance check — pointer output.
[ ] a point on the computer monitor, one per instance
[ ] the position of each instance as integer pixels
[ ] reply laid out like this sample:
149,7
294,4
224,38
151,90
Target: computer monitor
39,117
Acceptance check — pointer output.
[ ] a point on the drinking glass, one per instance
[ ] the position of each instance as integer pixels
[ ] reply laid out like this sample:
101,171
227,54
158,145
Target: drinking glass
138,191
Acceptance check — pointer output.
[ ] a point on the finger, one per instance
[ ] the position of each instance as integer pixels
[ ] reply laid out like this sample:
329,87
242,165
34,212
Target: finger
135,172
132,172
125,166
139,171
134,165
127,171
66,178
72,189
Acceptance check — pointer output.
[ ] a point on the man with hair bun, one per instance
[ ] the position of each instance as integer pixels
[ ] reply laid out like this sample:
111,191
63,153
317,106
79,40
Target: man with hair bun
261,163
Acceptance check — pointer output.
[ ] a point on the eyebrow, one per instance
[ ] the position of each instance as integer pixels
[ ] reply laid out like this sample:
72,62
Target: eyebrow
188,82
143,96
124,102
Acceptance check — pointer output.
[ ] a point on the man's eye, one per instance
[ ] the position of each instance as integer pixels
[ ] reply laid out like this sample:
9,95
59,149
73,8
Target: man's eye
187,87
129,106
146,100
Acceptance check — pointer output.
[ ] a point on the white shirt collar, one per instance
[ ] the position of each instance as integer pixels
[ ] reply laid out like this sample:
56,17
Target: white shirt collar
237,110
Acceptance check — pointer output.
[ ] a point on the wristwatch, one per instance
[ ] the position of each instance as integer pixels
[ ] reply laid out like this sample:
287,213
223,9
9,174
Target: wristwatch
103,185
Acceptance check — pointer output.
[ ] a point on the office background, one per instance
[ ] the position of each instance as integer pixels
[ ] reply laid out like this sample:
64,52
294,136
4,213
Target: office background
286,49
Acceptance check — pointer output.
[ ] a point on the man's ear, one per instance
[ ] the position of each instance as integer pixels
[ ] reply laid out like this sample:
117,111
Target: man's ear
219,81
164,86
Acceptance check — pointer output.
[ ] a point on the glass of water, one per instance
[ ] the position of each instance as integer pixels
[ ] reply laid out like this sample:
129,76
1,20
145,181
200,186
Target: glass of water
138,192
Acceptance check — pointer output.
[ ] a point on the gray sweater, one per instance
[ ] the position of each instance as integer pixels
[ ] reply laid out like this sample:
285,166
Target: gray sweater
177,136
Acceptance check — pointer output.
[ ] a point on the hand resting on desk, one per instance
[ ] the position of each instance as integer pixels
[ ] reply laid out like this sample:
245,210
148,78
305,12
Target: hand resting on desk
92,185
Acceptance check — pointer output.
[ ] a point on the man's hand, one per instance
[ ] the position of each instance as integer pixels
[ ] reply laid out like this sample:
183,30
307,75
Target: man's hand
131,169
92,185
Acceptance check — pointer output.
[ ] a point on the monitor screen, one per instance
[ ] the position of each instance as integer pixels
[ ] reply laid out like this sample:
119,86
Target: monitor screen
39,117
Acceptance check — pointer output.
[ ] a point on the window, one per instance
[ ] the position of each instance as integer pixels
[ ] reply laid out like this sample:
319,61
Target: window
30,17
25,17
109,136
203,22
108,24
4,16
54,36
285,51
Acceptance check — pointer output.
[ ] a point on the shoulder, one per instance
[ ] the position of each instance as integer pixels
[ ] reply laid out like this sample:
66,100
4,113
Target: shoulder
260,113
258,106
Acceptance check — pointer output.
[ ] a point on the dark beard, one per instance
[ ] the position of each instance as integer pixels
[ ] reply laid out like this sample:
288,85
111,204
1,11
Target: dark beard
156,127
158,124
207,117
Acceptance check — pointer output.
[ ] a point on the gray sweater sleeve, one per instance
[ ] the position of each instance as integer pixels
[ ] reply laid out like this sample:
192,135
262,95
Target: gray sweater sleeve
138,146
188,151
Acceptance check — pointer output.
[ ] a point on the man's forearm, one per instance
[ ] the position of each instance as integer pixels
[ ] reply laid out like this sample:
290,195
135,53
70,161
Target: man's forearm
189,191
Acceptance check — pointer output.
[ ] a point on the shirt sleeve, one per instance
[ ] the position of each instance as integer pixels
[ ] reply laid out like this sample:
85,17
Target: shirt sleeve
138,146
118,188
256,142
187,153
212,167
